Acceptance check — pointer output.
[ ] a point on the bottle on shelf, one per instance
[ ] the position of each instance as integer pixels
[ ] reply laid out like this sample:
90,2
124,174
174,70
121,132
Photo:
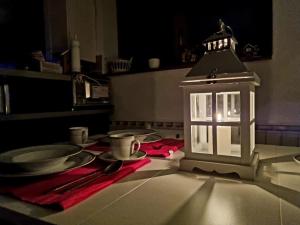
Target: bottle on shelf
75,55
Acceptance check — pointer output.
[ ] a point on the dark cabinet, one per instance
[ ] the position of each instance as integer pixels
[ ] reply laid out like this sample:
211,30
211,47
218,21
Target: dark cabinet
27,95
37,108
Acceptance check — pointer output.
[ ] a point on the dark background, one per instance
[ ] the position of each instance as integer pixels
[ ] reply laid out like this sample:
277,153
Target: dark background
153,28
148,28
22,30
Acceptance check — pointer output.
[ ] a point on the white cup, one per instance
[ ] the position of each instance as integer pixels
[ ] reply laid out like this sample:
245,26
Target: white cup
123,146
154,63
78,135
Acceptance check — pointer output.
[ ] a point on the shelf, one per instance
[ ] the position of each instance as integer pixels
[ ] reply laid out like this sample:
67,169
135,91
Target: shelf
34,74
45,115
147,70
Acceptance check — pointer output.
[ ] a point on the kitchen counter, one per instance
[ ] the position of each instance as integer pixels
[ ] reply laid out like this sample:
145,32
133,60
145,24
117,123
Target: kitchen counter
160,194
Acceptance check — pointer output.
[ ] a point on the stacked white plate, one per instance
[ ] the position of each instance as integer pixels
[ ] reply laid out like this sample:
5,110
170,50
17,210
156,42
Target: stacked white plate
42,160
143,135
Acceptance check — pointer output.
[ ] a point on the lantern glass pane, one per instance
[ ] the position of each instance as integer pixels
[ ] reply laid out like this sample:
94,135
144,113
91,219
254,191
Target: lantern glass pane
252,105
220,44
228,107
201,106
215,45
252,137
201,139
225,42
229,140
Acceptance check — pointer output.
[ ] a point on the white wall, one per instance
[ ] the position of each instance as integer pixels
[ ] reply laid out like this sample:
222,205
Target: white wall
55,26
152,96
93,21
155,96
106,30
279,95
81,22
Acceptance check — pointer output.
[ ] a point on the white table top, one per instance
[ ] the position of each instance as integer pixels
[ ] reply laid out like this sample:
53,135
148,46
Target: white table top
159,194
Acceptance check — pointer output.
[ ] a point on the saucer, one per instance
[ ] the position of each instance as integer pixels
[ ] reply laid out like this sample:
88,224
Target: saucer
152,138
74,162
140,134
108,157
297,159
149,139
36,158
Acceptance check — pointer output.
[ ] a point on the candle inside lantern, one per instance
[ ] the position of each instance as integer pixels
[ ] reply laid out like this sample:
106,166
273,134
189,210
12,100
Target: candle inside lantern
202,139
220,44
225,42
219,117
214,45
224,140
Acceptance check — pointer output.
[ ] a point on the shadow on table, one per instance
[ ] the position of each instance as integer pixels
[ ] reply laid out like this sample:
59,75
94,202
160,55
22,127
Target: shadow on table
278,159
9,217
147,174
193,209
264,180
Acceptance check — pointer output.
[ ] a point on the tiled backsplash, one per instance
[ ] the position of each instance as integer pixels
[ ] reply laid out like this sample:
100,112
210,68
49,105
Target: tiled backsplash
265,134
278,135
146,124
166,129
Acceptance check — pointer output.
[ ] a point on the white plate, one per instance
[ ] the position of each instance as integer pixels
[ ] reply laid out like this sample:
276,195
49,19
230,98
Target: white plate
74,162
297,159
140,134
36,158
148,139
152,138
88,143
107,156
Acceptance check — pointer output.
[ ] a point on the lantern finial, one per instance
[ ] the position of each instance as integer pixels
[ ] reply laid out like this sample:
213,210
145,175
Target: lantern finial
224,28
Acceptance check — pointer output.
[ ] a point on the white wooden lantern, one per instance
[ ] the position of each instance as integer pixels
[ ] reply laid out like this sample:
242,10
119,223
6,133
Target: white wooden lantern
219,113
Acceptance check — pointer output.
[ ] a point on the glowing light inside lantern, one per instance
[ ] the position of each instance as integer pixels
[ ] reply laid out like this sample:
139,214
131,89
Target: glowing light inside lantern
219,117
220,44
214,45
225,42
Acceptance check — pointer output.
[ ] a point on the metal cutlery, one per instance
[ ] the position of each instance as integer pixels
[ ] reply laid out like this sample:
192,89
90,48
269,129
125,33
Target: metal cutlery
82,181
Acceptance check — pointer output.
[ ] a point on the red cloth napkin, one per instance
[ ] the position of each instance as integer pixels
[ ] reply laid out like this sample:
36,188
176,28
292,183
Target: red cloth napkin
161,148
36,191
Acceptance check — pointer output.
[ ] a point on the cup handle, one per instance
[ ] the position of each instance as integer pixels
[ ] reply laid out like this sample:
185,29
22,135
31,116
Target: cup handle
84,136
133,151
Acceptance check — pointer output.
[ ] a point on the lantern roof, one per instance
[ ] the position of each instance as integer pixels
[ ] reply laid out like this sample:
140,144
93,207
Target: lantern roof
220,64
225,61
219,36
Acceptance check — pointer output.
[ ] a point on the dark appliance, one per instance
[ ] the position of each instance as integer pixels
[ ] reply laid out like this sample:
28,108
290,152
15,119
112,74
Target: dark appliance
89,92
19,95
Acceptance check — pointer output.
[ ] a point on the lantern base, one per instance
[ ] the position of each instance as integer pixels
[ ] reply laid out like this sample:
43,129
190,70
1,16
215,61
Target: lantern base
244,171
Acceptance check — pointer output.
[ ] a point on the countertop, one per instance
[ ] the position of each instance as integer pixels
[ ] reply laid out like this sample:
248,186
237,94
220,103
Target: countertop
159,193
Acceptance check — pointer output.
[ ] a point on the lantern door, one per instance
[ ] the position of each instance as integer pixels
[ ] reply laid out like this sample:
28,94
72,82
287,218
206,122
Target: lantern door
219,122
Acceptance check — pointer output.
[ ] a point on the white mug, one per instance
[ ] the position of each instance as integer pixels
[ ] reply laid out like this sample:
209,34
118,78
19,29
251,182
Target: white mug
78,135
154,63
123,146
